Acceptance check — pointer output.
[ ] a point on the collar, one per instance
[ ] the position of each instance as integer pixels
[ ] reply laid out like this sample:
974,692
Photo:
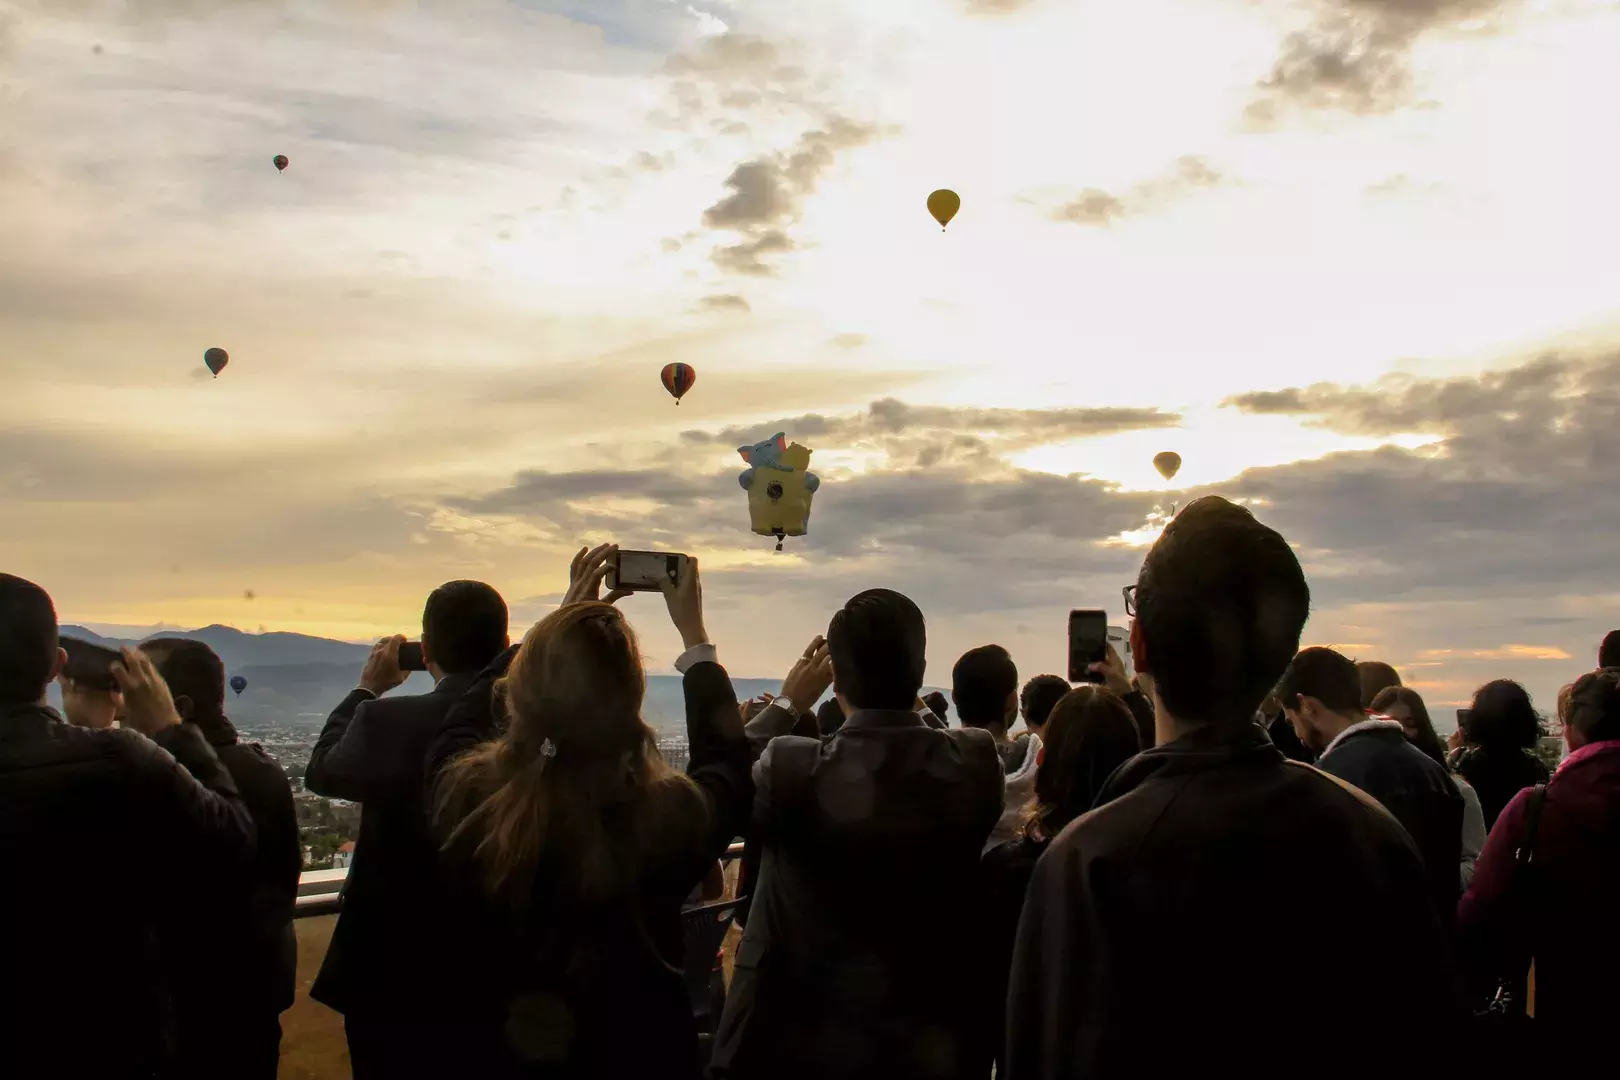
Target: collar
1210,747
1372,723
455,684
1590,750
29,711
218,730
861,719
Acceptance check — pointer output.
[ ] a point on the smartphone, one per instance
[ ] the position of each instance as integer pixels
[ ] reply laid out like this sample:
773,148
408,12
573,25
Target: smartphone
89,665
1088,644
410,657
1463,717
643,571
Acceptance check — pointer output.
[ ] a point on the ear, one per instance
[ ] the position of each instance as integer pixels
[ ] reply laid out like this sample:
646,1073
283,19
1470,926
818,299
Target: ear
747,453
1139,656
183,705
427,652
58,664
780,440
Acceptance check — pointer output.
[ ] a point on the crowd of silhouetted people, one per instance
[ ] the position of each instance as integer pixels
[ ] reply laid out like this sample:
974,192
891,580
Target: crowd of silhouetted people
1243,859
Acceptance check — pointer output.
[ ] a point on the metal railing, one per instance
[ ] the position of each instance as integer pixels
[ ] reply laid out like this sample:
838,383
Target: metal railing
320,892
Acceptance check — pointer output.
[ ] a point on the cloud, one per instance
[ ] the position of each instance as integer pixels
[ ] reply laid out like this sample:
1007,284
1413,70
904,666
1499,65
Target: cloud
1355,57
1101,208
849,341
997,7
725,302
768,193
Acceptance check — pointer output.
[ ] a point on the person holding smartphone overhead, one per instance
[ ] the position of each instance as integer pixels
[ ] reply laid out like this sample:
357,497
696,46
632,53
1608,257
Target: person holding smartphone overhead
381,970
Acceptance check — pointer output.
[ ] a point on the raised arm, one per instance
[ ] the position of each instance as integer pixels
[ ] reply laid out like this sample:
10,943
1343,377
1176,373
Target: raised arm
342,763
191,807
808,679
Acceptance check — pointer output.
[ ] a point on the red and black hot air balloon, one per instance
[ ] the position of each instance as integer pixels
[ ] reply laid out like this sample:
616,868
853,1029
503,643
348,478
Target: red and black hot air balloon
279,161
678,379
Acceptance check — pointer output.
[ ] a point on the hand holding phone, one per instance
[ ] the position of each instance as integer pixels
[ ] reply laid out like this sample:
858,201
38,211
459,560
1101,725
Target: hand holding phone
1088,644
383,671
643,571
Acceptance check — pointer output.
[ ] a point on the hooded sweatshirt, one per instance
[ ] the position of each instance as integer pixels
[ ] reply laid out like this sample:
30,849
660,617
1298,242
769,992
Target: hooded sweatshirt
1019,762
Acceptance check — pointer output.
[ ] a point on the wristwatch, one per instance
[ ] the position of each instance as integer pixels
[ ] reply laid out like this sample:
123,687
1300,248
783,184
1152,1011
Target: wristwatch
787,703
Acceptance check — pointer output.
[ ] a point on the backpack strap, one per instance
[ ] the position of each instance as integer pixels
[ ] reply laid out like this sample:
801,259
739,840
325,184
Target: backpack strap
1525,853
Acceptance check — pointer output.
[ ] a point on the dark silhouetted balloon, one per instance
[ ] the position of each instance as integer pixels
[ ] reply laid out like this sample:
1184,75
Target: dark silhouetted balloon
678,379
280,162
239,684
1168,464
944,204
216,359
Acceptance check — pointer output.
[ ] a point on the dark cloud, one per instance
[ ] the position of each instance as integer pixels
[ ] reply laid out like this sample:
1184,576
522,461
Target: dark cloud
767,194
725,302
728,73
1356,56
1096,207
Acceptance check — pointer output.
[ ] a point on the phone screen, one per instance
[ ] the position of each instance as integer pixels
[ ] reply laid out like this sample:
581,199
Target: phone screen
642,571
1088,644
89,665
410,657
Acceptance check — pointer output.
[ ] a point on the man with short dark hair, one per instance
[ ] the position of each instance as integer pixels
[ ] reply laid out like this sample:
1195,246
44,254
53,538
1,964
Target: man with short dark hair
850,965
1142,950
1321,695
236,955
984,688
1609,650
385,969
1039,696
103,833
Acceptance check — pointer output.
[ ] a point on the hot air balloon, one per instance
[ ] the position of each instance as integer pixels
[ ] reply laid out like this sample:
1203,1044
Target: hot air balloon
944,204
216,359
239,684
279,161
1168,464
780,486
678,379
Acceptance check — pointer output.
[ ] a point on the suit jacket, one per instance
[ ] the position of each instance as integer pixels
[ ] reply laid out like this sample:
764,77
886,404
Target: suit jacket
384,956
102,833
1147,943
852,963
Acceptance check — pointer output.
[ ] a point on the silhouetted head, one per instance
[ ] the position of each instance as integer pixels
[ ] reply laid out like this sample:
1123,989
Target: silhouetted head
1040,694
1220,604
829,718
878,644
984,687
1609,651
1406,705
1594,708
938,703
1376,677
1088,735
196,676
1503,718
30,655
464,627
1321,693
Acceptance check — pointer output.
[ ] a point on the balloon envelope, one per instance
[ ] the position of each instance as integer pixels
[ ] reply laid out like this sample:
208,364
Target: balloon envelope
238,683
1168,464
678,379
216,359
279,161
944,204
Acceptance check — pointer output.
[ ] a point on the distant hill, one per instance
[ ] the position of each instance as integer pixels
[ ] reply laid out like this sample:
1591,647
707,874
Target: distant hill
240,649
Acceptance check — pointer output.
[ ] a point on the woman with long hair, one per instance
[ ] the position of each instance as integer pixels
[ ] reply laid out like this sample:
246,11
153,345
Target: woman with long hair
1406,705
571,844
1503,729
1089,733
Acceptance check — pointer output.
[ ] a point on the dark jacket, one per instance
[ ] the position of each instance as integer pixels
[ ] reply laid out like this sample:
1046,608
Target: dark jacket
1497,775
385,954
852,964
237,955
1376,756
101,833
1007,869
561,990
1146,946
1141,707
1564,914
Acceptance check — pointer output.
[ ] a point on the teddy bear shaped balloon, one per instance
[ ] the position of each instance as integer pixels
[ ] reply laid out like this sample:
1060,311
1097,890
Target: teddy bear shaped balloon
779,486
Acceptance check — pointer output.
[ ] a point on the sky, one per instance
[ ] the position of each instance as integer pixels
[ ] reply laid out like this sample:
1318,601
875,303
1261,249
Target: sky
1352,259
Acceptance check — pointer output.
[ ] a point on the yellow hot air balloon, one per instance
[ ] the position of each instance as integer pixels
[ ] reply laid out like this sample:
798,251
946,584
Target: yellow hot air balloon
1168,464
944,204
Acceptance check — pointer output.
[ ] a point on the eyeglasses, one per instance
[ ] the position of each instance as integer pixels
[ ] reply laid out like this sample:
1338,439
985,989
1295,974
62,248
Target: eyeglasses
1129,593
